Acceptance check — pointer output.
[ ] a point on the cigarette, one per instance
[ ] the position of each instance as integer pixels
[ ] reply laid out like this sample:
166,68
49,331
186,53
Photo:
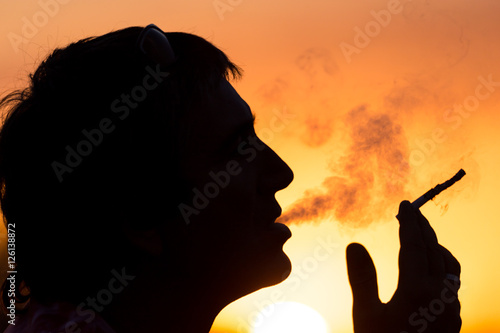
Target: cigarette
429,195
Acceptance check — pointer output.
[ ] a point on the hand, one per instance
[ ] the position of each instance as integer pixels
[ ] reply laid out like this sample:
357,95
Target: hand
426,297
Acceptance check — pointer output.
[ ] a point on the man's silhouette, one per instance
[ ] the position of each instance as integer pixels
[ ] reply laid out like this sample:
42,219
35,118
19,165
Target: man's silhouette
143,200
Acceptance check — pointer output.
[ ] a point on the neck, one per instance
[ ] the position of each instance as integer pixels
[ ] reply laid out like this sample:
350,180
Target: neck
157,304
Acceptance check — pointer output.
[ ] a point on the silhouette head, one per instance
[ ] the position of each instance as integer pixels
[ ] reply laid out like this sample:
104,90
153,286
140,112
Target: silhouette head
132,149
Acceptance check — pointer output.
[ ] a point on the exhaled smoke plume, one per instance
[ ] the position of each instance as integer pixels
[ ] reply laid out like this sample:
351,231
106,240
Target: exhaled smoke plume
365,181
317,132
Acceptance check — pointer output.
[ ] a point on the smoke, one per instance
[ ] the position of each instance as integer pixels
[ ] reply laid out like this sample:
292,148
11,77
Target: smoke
410,75
366,180
317,62
449,41
467,188
317,131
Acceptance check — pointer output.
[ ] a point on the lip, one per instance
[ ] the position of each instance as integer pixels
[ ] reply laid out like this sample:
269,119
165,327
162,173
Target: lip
277,232
280,231
276,215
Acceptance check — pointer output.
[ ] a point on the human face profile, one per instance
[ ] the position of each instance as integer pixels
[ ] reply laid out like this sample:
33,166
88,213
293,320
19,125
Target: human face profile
231,217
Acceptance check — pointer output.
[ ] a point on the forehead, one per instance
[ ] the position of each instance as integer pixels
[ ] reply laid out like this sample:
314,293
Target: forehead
217,117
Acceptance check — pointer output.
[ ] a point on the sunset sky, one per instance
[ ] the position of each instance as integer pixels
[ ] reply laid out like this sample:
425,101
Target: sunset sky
379,101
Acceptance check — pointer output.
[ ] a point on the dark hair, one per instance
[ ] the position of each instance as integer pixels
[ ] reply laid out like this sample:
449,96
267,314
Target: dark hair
67,218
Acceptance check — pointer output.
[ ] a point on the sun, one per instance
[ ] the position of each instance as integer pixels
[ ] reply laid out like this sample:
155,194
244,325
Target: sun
290,317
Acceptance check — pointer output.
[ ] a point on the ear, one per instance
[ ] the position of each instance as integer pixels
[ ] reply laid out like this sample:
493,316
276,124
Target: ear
148,240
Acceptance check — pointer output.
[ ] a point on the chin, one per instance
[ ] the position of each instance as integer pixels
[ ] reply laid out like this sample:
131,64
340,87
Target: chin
273,270
282,268
263,267
254,275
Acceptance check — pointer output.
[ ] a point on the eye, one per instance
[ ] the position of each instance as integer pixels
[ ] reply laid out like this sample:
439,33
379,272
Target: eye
239,142
242,141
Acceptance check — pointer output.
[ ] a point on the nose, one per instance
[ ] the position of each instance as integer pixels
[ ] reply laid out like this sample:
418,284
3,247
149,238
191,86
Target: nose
276,174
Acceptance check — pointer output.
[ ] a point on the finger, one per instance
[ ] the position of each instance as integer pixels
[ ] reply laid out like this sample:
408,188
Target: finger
413,260
434,254
455,325
450,289
451,316
428,233
451,263
452,266
410,235
362,277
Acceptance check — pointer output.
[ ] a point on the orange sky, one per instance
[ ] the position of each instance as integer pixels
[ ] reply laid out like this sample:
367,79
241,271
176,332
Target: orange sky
421,68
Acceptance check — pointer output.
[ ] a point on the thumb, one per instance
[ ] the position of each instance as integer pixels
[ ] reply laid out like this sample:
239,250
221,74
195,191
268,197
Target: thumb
362,276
